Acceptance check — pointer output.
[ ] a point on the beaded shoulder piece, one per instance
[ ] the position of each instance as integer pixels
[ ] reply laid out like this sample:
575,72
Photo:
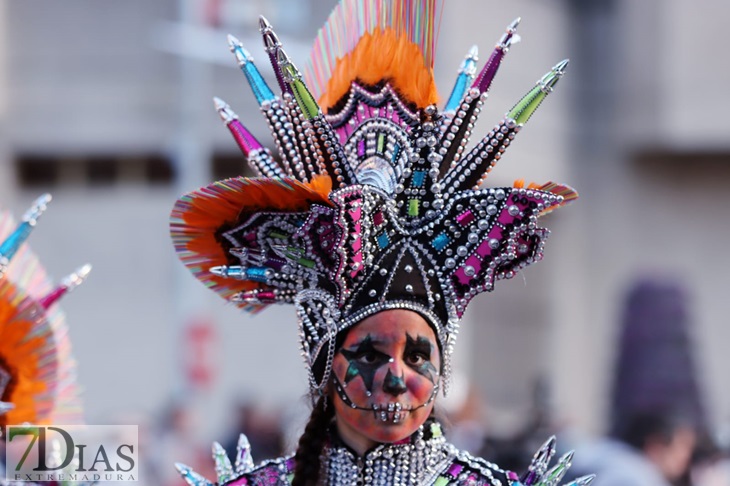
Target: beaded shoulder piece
375,202
383,465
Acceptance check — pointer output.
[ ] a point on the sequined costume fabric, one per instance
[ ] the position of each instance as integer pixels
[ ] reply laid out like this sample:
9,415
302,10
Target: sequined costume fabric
425,459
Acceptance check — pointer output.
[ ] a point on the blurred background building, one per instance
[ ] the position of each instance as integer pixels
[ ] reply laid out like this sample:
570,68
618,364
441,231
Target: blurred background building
107,105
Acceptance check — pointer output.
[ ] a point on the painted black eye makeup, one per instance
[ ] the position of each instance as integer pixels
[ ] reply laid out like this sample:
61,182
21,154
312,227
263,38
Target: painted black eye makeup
417,355
364,362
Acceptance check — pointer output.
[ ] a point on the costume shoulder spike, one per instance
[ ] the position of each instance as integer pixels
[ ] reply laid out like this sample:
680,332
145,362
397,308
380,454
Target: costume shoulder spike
463,468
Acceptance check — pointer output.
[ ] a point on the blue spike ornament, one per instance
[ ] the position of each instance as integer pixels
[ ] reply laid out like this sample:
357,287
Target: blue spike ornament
12,243
465,76
260,89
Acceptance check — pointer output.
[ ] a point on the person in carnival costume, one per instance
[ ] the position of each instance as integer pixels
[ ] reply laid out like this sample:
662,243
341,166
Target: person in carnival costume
375,227
37,369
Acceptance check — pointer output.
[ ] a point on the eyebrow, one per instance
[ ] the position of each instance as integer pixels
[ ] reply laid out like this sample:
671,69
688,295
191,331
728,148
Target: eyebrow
421,343
367,343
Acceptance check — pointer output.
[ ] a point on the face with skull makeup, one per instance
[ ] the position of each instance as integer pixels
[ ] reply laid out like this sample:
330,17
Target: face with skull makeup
386,377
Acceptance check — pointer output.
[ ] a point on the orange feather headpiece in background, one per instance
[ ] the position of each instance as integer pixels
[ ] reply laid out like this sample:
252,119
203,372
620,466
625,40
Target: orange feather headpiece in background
37,368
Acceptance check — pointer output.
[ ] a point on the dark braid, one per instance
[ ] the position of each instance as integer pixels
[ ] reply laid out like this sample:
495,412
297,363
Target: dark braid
307,458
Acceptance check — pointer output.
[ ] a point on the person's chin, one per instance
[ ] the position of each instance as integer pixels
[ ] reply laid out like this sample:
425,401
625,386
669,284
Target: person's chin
389,432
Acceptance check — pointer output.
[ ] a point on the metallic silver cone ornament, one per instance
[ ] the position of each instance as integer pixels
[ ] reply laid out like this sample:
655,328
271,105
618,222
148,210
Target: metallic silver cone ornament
223,466
244,460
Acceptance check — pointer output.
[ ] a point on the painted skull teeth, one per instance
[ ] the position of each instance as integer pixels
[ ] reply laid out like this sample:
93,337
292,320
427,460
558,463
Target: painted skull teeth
391,406
391,412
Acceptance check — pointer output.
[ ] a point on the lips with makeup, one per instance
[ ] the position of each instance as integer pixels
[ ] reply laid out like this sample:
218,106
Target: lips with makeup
387,412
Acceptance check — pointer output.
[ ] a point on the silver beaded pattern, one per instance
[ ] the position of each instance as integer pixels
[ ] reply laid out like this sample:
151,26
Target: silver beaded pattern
424,459
376,248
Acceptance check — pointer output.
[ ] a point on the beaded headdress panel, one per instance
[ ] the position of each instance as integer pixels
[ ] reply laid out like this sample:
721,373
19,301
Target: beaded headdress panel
375,202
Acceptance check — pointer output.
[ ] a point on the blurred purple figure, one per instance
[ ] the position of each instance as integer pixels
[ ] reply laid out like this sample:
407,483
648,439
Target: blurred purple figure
655,368
657,414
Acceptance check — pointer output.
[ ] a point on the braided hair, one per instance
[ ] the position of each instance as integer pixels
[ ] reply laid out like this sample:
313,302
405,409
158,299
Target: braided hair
307,458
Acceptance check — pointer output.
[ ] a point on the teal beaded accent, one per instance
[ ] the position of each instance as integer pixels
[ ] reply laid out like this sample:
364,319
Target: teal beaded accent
396,153
440,242
257,274
383,240
419,177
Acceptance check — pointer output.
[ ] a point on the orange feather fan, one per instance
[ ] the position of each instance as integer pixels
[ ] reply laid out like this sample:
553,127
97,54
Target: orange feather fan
35,344
27,355
197,218
568,193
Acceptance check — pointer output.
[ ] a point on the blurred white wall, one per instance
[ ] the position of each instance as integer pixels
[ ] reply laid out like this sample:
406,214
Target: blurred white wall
653,197
6,179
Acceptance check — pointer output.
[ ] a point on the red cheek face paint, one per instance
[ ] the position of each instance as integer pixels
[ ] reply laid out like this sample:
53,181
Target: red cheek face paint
386,376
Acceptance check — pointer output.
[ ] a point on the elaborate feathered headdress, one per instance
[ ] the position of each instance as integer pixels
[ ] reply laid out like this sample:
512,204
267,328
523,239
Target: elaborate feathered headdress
37,369
375,203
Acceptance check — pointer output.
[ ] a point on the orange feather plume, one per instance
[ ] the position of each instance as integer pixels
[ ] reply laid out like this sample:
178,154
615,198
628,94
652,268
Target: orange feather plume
520,184
24,348
383,56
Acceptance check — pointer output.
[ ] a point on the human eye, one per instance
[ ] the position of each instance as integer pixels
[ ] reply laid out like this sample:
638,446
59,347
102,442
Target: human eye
369,357
416,358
